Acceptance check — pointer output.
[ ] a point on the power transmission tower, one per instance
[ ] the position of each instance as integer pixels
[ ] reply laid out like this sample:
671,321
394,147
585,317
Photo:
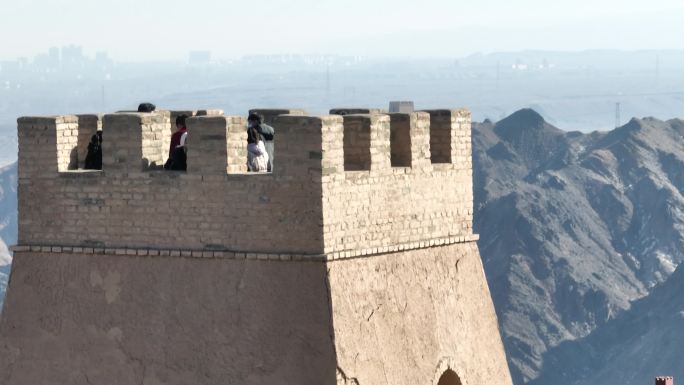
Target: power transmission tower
498,74
657,74
617,115
327,82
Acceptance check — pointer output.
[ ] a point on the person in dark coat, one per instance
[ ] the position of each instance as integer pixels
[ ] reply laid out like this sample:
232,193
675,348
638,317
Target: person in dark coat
93,160
177,155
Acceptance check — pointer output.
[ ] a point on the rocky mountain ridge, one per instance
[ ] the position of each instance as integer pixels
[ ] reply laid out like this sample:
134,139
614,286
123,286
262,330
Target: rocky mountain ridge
574,227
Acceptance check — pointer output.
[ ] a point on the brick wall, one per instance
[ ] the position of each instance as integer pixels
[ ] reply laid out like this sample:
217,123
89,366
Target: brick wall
47,145
387,205
128,205
310,204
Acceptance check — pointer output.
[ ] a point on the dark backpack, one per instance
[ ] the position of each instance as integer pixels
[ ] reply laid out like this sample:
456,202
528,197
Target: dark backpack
146,107
266,131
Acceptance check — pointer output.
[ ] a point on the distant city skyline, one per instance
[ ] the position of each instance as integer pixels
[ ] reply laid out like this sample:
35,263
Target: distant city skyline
73,58
168,30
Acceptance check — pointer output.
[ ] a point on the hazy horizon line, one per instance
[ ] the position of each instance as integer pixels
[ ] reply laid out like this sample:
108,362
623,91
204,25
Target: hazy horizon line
183,56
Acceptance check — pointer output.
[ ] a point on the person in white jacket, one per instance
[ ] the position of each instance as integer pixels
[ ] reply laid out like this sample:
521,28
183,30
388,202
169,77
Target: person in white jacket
257,156
267,133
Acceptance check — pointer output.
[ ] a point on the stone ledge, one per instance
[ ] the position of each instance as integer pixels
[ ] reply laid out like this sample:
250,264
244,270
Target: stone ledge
369,252
225,254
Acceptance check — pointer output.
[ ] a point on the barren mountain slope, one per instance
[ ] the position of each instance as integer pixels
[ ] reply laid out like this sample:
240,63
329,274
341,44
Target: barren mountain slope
641,343
573,227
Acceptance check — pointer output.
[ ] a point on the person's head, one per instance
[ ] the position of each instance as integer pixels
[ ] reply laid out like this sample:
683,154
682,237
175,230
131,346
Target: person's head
180,121
146,107
96,138
253,135
253,120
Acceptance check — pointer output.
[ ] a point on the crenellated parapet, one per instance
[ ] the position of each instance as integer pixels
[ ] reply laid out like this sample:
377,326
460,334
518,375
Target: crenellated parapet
343,184
47,145
134,141
382,186
450,137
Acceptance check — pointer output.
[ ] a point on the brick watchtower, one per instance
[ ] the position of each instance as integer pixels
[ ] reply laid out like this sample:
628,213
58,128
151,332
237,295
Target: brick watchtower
354,262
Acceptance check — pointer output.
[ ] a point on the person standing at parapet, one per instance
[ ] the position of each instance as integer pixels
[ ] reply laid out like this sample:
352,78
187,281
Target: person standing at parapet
257,156
267,132
177,157
93,160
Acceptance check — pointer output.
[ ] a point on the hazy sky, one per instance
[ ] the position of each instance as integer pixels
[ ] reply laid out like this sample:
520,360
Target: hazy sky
167,29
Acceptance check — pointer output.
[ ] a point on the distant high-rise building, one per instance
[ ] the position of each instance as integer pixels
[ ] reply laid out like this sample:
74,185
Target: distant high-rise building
54,57
41,61
22,62
47,61
72,54
102,59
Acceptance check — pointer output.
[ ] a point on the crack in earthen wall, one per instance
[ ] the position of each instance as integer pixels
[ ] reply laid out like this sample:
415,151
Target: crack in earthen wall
373,312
